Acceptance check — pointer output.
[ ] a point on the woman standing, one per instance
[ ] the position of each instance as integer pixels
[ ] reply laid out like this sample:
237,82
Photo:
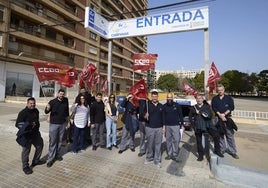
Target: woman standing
81,120
111,112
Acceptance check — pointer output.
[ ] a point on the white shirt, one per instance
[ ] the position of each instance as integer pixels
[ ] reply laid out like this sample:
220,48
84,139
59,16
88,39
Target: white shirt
81,117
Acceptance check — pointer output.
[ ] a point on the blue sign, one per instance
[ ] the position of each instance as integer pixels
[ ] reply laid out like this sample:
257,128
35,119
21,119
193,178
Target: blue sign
96,22
120,99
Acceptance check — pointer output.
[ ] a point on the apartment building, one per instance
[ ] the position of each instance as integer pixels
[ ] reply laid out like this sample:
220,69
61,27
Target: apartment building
53,31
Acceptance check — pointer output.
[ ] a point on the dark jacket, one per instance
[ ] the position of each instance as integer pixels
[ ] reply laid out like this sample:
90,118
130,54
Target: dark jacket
28,124
172,114
130,116
59,110
97,113
142,108
229,124
222,105
202,121
155,115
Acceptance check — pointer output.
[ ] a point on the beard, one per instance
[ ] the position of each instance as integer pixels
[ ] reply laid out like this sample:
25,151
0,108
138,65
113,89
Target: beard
169,102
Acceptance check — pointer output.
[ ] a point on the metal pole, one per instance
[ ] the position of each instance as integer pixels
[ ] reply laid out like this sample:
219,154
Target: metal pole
109,71
206,59
133,76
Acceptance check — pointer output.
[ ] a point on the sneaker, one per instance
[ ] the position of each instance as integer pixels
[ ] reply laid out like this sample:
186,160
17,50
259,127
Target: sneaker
132,149
235,156
109,148
49,164
176,159
120,151
141,154
116,146
40,162
147,162
94,148
158,165
219,154
168,157
27,170
200,159
58,158
74,153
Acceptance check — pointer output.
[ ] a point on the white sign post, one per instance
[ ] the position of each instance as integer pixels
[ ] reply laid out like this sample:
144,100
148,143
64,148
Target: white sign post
176,21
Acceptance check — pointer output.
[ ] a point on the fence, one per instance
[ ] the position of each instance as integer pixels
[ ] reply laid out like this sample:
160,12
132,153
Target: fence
250,115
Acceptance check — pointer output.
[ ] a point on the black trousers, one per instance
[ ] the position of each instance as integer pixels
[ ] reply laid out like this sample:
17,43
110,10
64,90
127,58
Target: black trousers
216,139
38,143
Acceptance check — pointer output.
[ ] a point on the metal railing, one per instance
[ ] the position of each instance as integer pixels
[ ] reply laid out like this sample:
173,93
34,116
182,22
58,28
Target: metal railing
250,114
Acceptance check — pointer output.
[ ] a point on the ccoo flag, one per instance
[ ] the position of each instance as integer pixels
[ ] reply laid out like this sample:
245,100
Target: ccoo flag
63,74
144,62
213,77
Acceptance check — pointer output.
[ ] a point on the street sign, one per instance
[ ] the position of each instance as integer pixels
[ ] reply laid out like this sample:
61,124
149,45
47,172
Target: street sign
96,22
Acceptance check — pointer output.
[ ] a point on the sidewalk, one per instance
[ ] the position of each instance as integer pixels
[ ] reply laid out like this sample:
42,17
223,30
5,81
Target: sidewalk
101,168
251,169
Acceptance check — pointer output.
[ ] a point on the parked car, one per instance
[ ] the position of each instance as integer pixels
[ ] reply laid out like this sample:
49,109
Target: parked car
186,105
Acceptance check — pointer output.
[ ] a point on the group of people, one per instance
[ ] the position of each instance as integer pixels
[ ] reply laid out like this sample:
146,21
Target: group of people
221,129
152,119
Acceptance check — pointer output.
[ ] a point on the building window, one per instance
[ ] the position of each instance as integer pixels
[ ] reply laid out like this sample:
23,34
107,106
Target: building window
19,84
50,34
93,36
1,14
49,54
1,40
92,50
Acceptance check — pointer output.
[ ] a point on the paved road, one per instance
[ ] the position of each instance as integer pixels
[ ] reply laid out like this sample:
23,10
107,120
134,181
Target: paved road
109,169
251,104
102,168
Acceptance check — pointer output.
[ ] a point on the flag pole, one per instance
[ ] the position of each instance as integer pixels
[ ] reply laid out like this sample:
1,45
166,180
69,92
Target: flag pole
133,76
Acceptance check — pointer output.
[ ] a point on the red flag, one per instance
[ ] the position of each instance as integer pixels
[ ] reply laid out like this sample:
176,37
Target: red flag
189,90
144,62
90,82
87,71
104,85
81,83
213,77
139,90
63,74
97,78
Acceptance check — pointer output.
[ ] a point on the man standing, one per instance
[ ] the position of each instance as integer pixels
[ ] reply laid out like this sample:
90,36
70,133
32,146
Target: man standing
131,124
173,119
153,130
28,135
59,113
97,120
223,105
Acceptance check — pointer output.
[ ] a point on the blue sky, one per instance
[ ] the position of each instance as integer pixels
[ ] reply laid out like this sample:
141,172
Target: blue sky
238,38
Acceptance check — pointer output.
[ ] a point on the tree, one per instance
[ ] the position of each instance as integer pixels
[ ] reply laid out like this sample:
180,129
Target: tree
263,81
198,81
236,82
168,81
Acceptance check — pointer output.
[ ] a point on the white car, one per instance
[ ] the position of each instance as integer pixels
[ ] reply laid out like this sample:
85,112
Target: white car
186,105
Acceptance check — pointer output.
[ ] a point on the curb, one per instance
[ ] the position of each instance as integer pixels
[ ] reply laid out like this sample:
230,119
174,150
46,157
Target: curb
235,175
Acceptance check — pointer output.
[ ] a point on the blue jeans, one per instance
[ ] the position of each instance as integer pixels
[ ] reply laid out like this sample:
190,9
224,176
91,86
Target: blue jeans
110,125
78,139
